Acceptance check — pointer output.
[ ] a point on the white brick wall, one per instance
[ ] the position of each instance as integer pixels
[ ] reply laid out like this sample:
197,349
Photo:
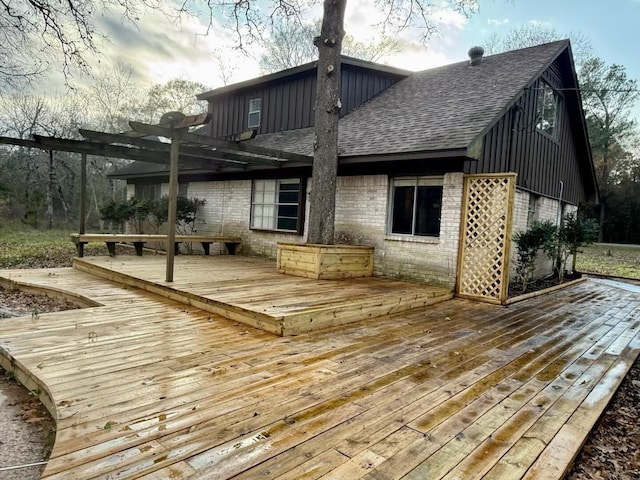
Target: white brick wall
227,211
361,218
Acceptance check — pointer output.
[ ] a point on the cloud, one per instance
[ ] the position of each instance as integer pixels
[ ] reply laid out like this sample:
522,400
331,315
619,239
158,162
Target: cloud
539,23
496,22
159,47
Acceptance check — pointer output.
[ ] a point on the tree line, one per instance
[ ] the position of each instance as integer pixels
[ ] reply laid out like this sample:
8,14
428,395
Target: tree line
42,189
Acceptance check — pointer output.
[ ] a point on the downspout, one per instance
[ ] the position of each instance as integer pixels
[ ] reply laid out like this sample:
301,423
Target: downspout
559,214
559,226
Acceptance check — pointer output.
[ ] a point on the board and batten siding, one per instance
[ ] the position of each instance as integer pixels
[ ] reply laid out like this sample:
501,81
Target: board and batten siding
514,144
287,104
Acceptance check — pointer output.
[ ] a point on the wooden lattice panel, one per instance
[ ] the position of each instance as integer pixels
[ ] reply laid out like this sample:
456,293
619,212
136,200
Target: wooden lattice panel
484,249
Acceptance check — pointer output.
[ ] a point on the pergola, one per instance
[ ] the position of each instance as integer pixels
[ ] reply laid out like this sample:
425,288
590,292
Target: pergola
185,149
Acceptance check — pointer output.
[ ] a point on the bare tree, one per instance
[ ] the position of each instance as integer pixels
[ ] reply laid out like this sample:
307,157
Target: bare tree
175,95
226,69
36,35
37,178
533,34
291,44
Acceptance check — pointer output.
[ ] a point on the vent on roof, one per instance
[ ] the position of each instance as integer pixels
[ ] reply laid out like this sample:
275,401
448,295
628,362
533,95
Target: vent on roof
475,55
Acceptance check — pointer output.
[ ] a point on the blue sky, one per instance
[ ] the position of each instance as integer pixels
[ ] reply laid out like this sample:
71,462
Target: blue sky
613,26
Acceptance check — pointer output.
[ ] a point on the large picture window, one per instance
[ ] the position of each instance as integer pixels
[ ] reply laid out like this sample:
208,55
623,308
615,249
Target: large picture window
416,204
547,111
277,205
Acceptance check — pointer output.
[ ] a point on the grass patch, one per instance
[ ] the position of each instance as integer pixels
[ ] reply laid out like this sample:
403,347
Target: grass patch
35,248
615,260
24,248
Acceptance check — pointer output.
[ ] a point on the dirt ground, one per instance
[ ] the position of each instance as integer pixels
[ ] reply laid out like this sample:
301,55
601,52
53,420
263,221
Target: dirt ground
611,452
27,428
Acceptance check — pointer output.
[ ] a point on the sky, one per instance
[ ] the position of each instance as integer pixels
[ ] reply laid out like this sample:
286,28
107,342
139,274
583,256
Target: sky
159,49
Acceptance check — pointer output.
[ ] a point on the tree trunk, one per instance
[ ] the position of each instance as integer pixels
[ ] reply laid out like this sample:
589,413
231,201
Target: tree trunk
327,112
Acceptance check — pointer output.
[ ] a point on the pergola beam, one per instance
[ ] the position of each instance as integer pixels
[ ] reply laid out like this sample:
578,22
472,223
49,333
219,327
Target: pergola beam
222,144
185,149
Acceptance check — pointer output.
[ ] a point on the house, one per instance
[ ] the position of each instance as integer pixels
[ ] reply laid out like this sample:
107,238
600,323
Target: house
437,169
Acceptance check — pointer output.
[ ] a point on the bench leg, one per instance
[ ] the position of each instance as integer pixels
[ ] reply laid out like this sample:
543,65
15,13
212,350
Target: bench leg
176,248
231,246
205,247
111,246
80,248
138,246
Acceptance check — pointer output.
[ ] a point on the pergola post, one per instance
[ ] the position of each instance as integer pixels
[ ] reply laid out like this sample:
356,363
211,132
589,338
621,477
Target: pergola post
83,201
173,200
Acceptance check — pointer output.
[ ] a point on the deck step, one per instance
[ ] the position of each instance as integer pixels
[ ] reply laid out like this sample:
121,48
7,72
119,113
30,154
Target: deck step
263,298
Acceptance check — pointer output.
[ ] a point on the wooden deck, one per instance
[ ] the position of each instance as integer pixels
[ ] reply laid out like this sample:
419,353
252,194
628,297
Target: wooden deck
145,387
251,291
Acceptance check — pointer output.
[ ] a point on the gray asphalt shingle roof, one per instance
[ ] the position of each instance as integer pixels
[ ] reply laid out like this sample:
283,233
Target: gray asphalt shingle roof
444,108
438,109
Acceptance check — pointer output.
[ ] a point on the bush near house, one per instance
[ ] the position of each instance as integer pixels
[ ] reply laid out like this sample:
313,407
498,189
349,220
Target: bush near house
138,212
559,243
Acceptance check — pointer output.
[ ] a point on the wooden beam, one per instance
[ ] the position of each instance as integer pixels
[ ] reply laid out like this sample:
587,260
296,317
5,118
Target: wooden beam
222,144
185,150
98,149
20,142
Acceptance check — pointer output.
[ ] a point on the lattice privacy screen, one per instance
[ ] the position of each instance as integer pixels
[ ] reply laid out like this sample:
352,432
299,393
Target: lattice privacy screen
484,250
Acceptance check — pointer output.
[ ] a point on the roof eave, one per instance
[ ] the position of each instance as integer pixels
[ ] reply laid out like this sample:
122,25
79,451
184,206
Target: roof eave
400,156
355,62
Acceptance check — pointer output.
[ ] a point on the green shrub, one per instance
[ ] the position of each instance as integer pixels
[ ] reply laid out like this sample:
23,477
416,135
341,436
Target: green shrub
529,243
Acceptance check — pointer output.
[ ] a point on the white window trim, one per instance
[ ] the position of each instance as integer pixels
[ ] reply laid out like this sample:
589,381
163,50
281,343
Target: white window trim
540,110
276,204
435,181
254,111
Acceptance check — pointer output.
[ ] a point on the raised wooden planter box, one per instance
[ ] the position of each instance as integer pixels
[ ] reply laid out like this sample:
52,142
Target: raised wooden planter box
325,261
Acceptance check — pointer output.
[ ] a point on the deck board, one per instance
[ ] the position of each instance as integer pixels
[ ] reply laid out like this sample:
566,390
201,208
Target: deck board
147,387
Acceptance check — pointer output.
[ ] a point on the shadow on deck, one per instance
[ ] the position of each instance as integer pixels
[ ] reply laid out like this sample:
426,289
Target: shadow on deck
249,290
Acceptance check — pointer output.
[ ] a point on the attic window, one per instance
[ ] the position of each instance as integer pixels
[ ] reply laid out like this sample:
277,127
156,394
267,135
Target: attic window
547,111
255,105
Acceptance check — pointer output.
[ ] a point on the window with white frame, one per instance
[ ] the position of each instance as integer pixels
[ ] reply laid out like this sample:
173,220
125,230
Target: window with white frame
415,206
255,105
277,205
547,110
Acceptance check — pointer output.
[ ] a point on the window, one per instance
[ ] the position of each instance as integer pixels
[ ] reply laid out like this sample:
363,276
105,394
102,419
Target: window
255,104
415,206
277,205
547,110
147,192
532,212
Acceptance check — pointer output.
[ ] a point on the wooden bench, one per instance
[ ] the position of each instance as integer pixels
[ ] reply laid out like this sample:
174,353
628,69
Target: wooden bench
139,240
